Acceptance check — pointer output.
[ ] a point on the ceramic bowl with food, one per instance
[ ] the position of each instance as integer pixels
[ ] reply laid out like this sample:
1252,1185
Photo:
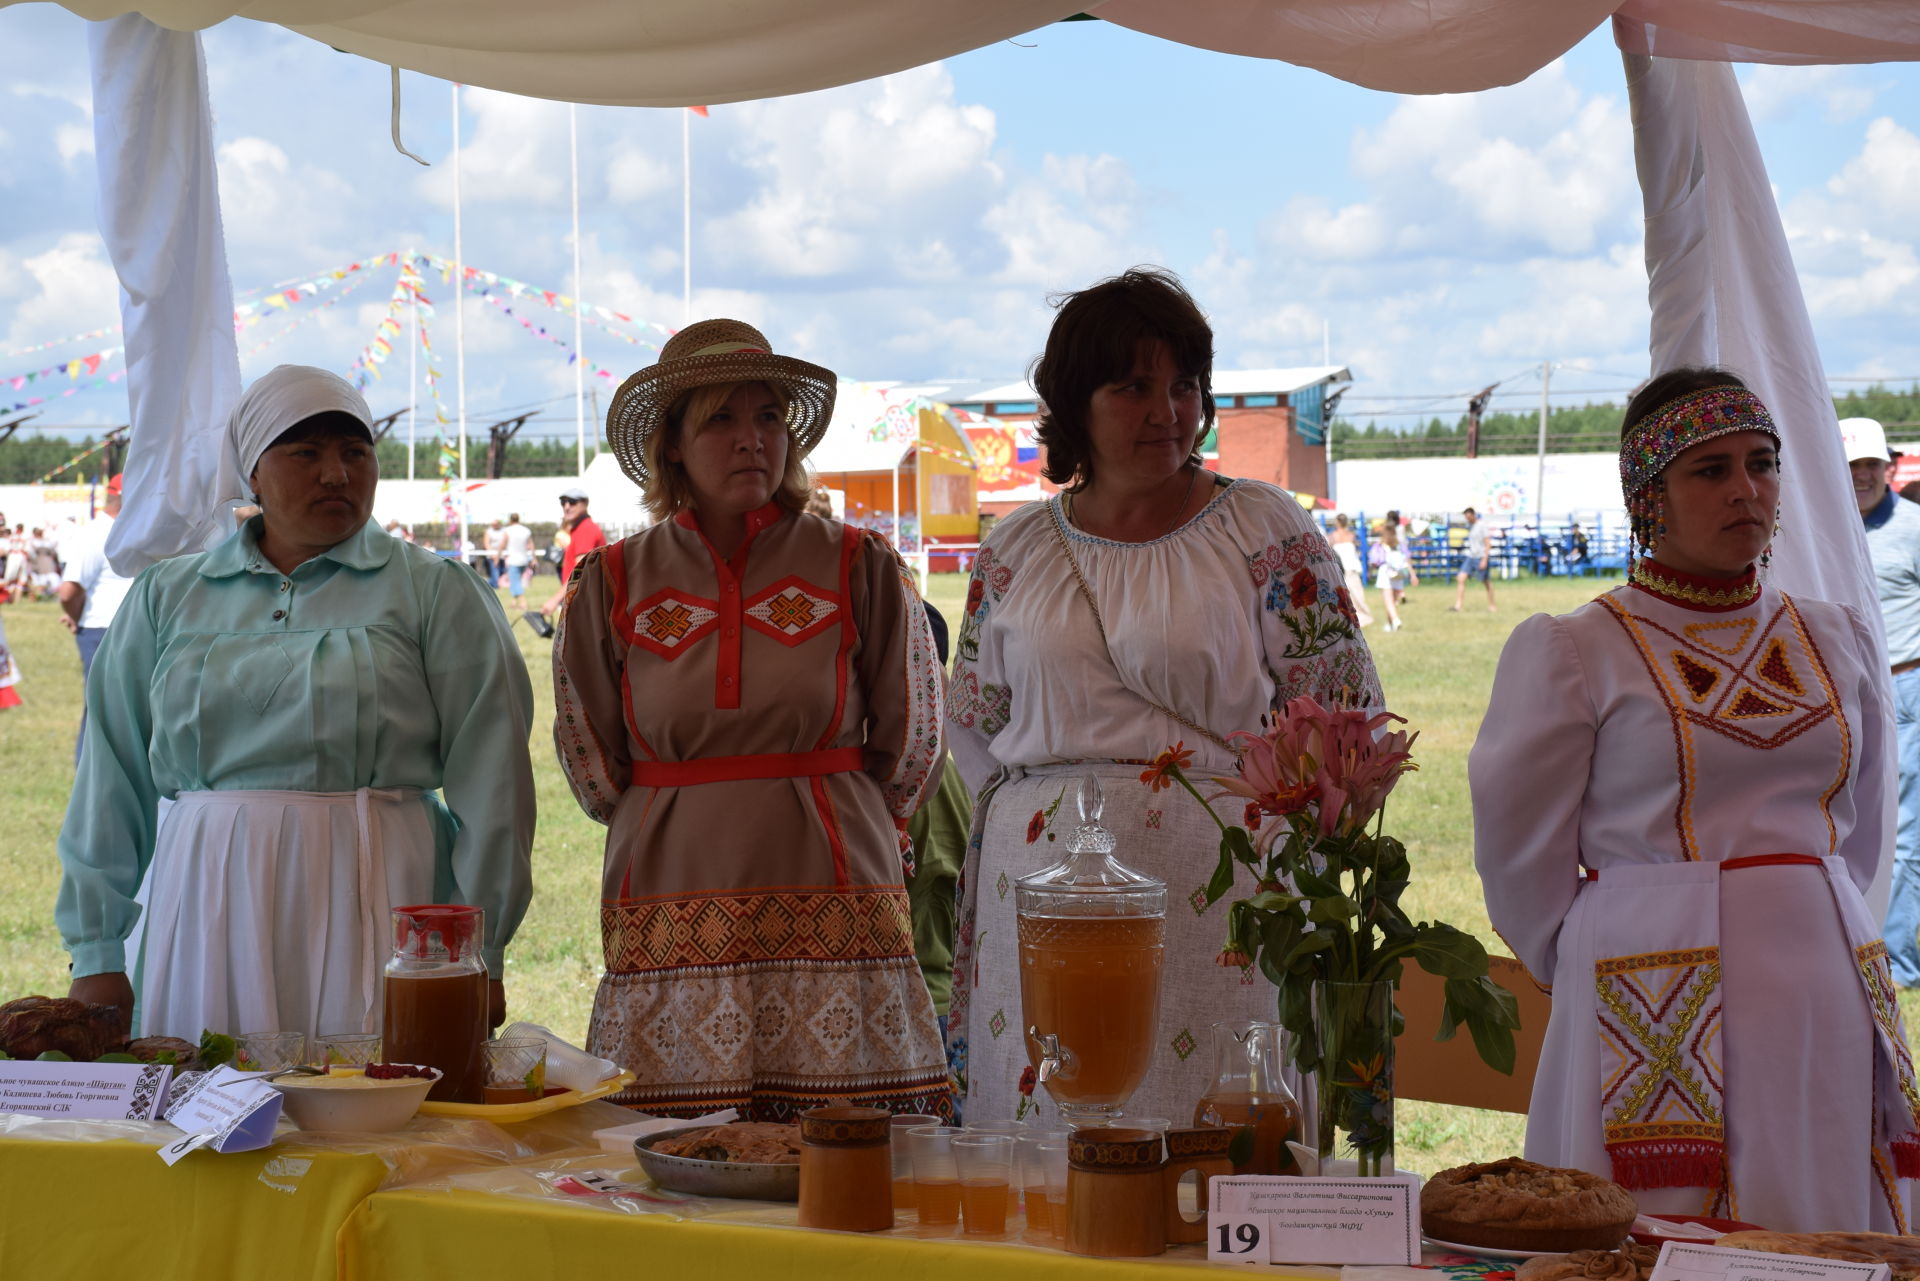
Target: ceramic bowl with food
351,1100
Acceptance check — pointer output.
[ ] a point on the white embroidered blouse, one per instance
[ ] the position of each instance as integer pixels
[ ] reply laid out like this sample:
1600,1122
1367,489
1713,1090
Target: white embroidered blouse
1239,610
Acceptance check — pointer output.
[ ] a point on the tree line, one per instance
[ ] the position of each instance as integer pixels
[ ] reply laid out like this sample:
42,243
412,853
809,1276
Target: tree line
1577,429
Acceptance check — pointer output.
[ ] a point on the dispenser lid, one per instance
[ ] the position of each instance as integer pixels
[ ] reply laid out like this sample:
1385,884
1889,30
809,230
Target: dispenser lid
1090,879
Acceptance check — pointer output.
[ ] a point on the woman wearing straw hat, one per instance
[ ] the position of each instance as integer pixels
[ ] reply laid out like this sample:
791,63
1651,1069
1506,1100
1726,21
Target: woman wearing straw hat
748,697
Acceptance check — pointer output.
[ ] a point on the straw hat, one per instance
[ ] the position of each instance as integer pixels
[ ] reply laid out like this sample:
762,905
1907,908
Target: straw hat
701,355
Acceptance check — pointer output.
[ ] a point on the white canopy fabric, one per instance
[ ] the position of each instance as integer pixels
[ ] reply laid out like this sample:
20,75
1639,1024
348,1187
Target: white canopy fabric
669,53
1724,292
160,219
657,53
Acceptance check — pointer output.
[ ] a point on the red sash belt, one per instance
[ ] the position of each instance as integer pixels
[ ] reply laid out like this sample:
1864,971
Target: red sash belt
732,769
1747,860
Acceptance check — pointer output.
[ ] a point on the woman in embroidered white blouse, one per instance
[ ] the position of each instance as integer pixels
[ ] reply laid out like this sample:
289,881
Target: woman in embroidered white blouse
1677,796
1217,600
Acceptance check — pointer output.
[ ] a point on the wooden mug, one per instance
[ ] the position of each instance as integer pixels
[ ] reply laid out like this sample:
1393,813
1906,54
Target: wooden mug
846,1169
1203,1150
1116,1194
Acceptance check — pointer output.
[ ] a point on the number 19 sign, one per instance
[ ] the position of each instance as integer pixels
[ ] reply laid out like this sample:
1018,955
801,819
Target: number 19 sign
1252,1219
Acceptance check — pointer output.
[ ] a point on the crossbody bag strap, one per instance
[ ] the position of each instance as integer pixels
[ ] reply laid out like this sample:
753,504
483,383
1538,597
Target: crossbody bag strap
1086,593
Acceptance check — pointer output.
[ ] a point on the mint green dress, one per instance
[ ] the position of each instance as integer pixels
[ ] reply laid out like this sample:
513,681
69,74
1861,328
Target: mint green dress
334,741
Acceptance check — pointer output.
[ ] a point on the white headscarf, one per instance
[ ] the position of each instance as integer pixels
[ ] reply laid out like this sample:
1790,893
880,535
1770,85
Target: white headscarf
277,400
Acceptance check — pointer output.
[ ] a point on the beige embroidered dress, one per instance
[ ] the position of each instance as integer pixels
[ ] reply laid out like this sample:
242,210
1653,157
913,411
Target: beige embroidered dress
1677,794
754,733
1234,613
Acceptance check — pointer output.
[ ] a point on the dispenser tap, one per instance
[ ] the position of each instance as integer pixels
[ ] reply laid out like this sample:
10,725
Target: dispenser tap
1052,1057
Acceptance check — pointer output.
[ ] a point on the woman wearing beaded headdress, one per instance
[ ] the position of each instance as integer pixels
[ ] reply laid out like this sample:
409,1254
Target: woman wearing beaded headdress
1678,797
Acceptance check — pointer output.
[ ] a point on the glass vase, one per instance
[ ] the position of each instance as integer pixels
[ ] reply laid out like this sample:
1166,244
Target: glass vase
1353,1023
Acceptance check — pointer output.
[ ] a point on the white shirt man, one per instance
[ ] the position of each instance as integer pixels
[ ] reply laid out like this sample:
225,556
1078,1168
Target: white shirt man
91,590
519,555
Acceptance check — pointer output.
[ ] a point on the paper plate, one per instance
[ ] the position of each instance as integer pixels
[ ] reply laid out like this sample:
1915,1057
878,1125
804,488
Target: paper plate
532,1107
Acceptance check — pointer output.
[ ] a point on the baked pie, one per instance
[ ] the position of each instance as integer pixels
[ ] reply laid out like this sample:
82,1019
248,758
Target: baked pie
754,1142
1631,1262
1514,1204
1902,1254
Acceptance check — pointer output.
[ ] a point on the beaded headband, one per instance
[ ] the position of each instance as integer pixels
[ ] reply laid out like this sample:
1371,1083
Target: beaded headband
1684,422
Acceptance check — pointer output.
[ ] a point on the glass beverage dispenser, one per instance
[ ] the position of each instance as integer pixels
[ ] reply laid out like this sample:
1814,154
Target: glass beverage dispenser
1092,940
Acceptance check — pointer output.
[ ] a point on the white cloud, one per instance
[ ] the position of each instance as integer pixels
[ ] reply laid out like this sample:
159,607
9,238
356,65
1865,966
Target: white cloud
1774,92
514,152
1883,180
73,287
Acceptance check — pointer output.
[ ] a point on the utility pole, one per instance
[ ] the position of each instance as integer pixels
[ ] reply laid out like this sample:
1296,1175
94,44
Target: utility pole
579,348
1540,477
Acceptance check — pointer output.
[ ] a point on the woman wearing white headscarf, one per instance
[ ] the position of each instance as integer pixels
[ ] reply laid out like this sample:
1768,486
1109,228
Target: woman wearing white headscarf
301,693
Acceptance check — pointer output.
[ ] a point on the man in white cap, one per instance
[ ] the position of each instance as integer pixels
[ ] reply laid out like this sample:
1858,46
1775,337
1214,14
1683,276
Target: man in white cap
1893,542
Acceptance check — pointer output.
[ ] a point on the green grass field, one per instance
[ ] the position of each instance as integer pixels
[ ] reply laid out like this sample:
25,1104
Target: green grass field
1437,672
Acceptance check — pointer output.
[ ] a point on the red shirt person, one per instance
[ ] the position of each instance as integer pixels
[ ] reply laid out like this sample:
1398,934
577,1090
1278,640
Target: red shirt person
582,537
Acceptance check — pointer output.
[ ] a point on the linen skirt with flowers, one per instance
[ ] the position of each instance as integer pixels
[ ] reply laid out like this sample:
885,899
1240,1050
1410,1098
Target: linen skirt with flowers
1022,825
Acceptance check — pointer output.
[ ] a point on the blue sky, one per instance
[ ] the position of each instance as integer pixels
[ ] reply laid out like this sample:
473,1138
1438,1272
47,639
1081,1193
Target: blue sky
912,227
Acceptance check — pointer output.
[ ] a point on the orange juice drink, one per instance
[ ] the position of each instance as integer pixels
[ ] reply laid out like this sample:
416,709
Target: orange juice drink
937,1200
1094,982
985,1207
1274,1118
1037,1209
903,1194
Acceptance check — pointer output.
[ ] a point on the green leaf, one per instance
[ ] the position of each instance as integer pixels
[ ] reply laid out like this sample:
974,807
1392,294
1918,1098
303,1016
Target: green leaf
1222,879
1334,909
1240,1150
1317,941
116,1057
1452,954
53,1056
216,1048
1236,843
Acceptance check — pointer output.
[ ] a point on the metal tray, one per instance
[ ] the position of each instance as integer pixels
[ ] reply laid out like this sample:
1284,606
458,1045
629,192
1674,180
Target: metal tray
739,1180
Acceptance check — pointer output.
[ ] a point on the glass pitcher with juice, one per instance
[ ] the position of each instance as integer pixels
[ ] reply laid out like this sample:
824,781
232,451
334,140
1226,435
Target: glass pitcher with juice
435,1006
1092,939
1248,1092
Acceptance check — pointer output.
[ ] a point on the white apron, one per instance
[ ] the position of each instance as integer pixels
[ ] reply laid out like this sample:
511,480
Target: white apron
1805,955
268,911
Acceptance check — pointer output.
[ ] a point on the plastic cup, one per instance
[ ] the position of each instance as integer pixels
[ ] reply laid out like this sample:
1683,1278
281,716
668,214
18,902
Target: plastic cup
985,1163
903,1158
936,1176
1033,1179
269,1051
347,1049
1013,1129
1053,1160
516,1069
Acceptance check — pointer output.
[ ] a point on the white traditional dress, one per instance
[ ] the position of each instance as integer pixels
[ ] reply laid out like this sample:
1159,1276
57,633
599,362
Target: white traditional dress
755,733
1222,620
1677,800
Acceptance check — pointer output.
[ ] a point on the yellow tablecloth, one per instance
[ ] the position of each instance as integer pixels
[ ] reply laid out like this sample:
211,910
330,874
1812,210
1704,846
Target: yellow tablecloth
111,1209
409,1234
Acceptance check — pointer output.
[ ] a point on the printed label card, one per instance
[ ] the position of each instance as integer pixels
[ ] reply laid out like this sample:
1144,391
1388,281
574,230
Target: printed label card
1680,1261
1254,1219
224,1111
83,1091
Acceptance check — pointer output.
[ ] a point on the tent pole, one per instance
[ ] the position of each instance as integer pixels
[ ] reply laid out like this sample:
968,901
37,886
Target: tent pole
896,504
579,354
413,371
686,223
459,325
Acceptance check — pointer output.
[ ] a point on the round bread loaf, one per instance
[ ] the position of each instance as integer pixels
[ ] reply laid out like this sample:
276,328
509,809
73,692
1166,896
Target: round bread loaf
1513,1204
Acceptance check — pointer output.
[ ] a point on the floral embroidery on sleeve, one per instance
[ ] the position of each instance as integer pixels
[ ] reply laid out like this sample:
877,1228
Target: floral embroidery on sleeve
985,588
972,705
1316,648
